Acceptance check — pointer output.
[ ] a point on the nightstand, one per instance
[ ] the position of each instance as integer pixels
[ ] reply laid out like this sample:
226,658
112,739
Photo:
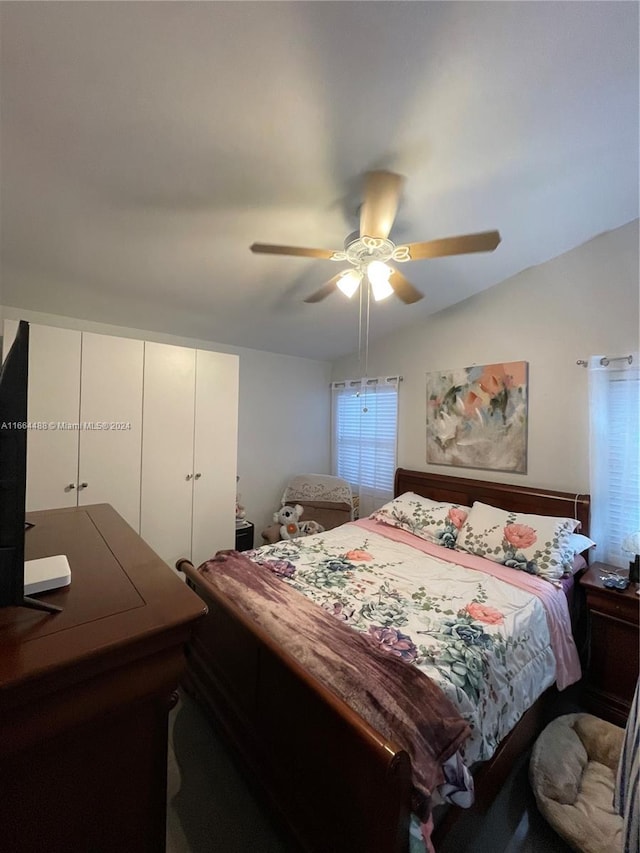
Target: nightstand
613,642
244,537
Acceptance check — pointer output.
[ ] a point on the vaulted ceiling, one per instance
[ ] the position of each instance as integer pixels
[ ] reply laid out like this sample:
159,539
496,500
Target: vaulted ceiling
145,146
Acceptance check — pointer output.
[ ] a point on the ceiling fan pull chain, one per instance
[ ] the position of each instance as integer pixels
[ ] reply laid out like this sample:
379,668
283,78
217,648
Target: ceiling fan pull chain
366,345
360,319
364,383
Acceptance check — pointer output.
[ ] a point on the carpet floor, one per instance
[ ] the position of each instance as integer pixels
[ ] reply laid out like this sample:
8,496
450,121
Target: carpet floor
213,806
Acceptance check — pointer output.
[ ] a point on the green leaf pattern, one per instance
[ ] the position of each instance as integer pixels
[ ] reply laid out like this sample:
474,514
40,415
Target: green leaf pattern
543,550
435,522
465,630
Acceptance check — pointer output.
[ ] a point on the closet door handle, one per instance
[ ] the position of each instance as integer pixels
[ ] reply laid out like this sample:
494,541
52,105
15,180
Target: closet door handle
83,486
71,486
189,476
197,477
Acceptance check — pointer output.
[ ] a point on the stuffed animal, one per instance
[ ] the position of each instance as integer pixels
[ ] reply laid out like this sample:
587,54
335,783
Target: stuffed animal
310,528
287,517
240,510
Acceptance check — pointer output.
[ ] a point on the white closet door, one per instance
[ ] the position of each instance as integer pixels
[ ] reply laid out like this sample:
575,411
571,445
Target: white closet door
111,397
167,450
215,454
54,401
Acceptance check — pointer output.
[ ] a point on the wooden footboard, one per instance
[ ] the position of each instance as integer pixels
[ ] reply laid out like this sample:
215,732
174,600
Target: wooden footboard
337,784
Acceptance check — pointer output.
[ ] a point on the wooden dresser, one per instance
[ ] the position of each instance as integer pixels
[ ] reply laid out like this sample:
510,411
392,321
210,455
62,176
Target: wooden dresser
614,646
85,693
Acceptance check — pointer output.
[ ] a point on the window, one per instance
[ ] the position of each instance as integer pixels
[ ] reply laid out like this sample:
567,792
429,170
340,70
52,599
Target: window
614,403
364,440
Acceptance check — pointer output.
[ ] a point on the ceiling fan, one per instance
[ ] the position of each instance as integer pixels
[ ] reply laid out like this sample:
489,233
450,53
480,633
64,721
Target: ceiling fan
369,249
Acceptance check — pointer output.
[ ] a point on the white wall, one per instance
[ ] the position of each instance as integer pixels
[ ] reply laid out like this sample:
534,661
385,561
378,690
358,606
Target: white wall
284,412
582,303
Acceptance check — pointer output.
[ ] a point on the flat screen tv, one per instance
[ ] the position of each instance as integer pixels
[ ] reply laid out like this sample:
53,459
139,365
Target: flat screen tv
14,379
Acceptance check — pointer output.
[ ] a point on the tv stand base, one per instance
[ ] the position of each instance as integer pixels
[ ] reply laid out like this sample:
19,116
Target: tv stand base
34,604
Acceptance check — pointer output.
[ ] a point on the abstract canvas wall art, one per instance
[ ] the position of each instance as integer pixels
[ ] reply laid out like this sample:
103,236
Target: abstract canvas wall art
477,417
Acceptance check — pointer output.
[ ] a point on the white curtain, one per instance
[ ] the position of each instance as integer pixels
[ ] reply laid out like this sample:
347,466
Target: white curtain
364,438
614,442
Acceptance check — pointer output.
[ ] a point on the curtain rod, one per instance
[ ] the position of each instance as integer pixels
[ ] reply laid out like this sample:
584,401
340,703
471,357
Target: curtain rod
604,361
342,383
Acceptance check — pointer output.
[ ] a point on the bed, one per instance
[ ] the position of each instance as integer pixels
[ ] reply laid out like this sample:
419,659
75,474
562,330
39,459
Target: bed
339,780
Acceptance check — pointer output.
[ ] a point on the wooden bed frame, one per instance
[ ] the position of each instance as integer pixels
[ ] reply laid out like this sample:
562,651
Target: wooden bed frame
336,782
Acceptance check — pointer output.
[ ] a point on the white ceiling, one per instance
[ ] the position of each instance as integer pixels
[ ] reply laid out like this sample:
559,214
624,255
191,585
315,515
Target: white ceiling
145,146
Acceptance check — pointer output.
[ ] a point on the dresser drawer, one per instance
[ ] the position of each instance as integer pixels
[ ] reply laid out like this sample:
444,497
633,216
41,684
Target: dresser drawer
613,644
616,606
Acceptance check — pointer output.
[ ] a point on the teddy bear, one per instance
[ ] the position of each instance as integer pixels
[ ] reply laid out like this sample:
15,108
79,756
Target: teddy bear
240,510
287,517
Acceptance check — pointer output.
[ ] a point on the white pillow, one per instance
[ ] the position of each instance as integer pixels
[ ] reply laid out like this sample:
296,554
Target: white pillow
436,522
579,543
537,544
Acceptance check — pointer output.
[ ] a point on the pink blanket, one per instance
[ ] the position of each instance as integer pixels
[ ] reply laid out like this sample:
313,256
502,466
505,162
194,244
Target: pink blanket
553,599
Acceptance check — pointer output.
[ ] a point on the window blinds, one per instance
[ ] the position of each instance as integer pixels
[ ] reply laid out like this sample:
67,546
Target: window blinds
614,403
364,442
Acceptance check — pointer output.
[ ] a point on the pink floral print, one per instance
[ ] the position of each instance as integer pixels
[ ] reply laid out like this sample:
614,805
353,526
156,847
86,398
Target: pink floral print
484,613
520,535
358,555
457,516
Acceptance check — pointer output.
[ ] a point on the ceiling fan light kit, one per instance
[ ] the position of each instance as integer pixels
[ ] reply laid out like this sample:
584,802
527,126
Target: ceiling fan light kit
369,249
349,282
378,275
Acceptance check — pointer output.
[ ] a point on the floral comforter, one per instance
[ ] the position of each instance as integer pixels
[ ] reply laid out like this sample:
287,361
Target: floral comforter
486,643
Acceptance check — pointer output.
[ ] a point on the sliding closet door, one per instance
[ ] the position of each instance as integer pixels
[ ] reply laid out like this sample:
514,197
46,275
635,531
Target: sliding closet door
215,454
54,407
111,398
167,450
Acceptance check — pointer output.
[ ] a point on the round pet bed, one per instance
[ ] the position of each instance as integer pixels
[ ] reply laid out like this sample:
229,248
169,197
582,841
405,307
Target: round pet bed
572,772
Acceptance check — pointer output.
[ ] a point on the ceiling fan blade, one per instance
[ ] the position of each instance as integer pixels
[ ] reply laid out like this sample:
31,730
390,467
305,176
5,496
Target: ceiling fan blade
268,249
403,289
381,197
485,241
326,289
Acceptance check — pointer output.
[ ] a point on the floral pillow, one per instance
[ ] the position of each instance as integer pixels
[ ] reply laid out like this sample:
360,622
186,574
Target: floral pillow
537,544
430,520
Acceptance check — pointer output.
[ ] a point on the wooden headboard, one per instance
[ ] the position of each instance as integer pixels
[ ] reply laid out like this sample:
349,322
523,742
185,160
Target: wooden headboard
462,490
